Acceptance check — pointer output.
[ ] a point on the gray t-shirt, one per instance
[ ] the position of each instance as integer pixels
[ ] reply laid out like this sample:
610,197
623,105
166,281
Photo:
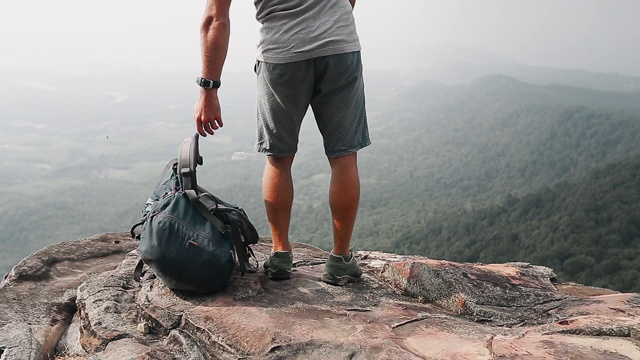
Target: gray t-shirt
294,30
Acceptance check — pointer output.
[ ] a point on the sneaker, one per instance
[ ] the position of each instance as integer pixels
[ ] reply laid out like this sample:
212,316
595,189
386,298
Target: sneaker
337,271
278,265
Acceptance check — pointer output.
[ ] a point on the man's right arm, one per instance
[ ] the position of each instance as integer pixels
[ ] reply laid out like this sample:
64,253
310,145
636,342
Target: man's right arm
353,3
215,32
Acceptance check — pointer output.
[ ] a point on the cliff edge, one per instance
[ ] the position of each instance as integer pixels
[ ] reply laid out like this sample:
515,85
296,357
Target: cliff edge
78,300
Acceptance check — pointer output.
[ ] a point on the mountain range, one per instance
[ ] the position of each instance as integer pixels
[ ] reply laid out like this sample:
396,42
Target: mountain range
522,164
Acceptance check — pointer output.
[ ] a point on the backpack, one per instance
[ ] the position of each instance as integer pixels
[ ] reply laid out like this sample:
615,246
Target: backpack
190,238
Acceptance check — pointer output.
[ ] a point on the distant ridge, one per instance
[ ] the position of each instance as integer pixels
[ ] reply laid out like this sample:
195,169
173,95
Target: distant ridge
515,89
461,65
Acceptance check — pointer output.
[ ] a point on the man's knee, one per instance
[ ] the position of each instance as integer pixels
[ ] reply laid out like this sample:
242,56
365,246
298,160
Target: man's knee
280,162
345,162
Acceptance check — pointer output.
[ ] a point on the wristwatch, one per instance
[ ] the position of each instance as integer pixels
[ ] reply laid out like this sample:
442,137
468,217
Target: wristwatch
208,83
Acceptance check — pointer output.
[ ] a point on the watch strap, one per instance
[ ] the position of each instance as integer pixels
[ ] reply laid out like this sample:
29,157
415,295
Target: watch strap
208,83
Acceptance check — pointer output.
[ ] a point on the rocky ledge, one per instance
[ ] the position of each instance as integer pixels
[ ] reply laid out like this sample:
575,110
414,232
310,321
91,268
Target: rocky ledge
78,300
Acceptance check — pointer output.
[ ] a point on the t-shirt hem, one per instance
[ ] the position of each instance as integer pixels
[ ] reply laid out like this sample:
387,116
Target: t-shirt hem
308,54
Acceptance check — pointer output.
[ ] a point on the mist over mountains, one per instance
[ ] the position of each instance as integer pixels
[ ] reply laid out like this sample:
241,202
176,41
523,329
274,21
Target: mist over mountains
471,161
450,65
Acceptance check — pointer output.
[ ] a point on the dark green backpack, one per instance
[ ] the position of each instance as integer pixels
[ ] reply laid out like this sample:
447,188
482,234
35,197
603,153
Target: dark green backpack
191,239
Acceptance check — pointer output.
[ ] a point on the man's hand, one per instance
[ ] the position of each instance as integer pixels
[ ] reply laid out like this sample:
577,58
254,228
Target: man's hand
207,112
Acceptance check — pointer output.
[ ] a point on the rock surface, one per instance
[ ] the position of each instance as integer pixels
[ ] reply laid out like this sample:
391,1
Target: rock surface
78,300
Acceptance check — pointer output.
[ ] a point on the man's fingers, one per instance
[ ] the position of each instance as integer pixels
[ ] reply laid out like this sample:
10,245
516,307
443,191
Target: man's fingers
215,123
200,126
207,126
200,129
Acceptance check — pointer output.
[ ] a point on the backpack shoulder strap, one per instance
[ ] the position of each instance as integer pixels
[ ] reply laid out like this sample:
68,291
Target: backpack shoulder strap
205,206
243,251
249,231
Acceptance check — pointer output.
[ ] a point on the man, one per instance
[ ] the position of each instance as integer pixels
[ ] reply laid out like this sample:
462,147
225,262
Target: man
308,55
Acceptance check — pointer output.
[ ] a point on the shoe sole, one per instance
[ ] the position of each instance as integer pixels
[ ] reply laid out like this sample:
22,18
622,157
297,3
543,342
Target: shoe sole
338,280
279,274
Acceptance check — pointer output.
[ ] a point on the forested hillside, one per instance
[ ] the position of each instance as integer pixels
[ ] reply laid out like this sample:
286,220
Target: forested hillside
588,231
495,170
504,171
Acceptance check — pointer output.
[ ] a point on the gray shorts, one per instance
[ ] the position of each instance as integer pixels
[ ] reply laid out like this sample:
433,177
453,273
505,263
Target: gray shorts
334,88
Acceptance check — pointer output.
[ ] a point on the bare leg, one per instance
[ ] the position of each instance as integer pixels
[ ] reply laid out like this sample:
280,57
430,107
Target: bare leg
344,197
277,192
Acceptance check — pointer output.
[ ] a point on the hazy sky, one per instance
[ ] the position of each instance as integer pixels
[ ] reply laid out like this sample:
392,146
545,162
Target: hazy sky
81,35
